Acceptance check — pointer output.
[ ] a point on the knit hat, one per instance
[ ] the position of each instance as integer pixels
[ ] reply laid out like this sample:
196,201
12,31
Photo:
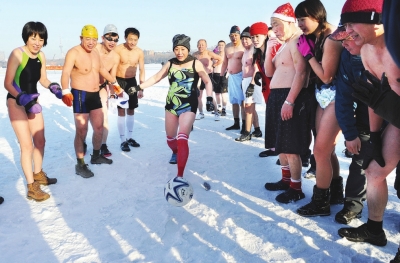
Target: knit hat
286,13
235,30
245,33
259,28
366,11
181,40
340,33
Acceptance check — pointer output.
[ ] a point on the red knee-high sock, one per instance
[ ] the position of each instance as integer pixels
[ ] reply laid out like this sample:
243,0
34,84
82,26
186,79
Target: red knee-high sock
286,175
296,184
183,152
171,141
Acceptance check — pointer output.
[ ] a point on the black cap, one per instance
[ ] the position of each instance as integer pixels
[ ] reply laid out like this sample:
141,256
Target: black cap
245,33
235,30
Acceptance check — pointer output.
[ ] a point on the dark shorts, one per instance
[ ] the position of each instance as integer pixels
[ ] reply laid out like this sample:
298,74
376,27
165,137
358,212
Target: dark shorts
203,86
223,84
292,136
215,81
84,101
125,85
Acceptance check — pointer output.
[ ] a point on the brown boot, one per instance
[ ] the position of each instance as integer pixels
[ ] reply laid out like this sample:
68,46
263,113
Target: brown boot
35,193
41,178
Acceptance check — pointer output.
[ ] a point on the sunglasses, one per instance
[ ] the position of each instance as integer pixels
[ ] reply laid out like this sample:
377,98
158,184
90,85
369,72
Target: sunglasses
110,39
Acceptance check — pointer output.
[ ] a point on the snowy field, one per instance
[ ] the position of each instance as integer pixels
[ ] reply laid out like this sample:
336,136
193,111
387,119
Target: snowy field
120,215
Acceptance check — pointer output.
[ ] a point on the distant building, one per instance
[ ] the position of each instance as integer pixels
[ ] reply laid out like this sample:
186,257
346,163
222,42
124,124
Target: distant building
148,52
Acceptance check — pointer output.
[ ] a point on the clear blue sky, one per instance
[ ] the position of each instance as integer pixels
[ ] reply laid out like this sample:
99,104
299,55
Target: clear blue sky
158,21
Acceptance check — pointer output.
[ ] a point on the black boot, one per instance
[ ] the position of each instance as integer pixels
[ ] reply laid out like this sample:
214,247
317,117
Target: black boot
319,205
246,136
396,258
337,191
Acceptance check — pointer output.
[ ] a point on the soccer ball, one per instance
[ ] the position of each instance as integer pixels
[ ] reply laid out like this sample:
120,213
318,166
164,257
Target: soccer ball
178,191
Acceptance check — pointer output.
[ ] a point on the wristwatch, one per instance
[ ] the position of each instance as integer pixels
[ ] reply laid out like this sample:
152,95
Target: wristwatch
289,103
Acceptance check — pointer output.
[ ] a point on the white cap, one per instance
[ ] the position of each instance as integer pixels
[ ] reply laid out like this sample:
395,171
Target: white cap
110,28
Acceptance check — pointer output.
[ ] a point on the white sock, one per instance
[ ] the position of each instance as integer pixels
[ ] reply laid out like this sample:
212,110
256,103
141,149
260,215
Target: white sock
130,120
121,128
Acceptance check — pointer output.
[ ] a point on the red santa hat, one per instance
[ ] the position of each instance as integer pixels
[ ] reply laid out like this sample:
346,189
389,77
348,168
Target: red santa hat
285,12
366,11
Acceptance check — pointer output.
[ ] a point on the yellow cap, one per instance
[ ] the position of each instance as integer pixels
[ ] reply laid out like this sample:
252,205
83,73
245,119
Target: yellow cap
89,31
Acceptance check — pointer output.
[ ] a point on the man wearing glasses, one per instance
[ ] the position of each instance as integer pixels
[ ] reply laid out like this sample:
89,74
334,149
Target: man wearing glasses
110,60
131,57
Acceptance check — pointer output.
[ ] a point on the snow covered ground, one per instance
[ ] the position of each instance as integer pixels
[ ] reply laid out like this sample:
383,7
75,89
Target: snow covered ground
120,215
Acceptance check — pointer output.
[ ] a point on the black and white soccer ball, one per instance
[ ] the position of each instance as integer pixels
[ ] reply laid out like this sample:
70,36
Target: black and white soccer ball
178,191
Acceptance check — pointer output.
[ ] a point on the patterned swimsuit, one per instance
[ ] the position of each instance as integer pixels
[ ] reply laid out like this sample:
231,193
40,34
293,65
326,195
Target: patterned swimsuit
182,93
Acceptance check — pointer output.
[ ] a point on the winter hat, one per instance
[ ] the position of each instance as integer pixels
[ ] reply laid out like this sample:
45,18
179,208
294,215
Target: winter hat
286,13
259,28
235,30
181,40
366,11
340,33
109,29
245,33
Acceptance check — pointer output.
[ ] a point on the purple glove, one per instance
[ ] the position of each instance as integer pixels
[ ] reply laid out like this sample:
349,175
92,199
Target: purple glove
29,102
306,47
56,89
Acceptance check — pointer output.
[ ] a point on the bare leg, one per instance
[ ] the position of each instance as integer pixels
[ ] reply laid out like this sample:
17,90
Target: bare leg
200,99
235,110
327,135
104,101
96,119
249,109
81,125
36,127
294,161
377,191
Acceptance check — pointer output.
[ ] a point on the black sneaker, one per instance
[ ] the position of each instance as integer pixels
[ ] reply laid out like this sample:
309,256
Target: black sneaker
83,170
267,153
361,234
174,159
133,143
125,147
396,258
278,186
290,196
233,127
345,216
104,150
278,162
257,134
223,113
246,136
1,200
100,160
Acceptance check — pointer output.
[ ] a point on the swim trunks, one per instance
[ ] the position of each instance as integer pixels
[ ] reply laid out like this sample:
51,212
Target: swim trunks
125,84
85,101
257,96
235,88
325,95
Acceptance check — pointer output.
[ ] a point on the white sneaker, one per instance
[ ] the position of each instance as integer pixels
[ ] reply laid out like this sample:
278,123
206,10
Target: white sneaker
200,116
216,118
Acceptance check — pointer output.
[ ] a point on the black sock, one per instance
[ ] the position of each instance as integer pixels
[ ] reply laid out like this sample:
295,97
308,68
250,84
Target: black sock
257,129
375,227
81,161
236,121
244,123
96,153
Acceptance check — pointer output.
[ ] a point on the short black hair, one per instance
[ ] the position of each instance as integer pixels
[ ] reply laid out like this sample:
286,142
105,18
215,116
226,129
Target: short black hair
221,41
132,30
32,29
